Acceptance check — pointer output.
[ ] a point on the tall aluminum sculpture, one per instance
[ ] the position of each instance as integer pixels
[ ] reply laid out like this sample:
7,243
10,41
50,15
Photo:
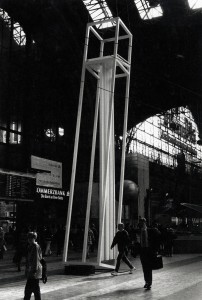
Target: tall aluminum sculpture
106,69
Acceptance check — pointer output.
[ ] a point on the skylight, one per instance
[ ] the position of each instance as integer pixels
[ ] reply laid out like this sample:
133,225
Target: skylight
19,35
194,4
99,11
146,11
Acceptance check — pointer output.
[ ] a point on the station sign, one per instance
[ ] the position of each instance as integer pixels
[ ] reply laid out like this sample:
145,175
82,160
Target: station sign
51,193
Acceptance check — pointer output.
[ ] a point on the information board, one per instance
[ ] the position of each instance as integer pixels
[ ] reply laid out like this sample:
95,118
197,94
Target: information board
17,187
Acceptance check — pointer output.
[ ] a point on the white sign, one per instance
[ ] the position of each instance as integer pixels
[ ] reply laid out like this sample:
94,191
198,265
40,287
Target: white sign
51,175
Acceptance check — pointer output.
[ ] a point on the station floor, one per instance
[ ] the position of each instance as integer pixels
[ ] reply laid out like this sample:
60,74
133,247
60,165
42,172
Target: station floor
180,279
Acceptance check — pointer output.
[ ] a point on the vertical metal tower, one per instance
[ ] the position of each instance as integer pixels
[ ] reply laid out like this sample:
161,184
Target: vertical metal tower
106,69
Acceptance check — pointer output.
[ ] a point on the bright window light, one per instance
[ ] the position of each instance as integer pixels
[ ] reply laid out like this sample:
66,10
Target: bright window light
99,11
61,131
50,133
19,35
146,11
194,4
161,138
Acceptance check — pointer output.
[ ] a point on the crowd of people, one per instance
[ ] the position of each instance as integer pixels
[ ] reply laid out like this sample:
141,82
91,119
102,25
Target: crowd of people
34,244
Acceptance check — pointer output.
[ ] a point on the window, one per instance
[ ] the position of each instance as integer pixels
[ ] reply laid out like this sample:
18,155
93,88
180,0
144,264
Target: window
99,11
148,9
18,33
15,133
194,4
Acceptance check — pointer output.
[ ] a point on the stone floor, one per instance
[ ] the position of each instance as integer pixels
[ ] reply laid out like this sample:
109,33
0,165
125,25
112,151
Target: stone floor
180,279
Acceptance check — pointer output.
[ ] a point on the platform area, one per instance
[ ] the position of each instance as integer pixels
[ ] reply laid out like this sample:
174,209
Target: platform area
181,278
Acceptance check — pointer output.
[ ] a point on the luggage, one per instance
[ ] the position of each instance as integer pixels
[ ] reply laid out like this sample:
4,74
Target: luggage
157,262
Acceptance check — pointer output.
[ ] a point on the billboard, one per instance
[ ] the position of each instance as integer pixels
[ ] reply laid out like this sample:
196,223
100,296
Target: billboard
49,172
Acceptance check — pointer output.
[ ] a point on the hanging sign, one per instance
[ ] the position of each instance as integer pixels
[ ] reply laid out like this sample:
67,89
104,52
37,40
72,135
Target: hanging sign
50,172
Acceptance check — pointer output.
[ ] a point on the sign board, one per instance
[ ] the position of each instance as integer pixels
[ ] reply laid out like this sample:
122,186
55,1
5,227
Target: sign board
50,193
17,187
51,172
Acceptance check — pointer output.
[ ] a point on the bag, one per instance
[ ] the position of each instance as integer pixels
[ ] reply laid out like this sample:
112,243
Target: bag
157,262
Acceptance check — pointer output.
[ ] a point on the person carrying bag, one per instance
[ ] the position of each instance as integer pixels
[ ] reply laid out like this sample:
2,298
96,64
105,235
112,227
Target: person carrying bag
149,238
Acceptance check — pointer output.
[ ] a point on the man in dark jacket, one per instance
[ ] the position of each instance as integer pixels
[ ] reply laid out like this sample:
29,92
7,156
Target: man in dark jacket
122,240
149,245
33,269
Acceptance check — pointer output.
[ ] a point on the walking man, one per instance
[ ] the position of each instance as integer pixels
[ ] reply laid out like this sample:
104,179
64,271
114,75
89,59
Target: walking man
121,239
149,245
33,269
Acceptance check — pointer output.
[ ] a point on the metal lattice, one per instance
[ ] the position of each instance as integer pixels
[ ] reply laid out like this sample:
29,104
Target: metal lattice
16,30
147,11
99,11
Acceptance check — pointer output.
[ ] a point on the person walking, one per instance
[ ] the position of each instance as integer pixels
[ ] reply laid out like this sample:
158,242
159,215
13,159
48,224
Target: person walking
59,239
2,243
48,240
121,239
149,245
90,241
21,248
33,271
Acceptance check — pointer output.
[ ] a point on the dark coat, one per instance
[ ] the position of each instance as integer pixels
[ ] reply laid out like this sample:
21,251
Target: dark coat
122,240
33,263
154,238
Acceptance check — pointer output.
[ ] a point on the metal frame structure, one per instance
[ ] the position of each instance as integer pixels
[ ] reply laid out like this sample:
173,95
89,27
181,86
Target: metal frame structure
106,69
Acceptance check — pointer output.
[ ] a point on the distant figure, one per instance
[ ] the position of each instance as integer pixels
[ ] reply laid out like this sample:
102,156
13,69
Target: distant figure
122,240
33,271
2,243
90,241
181,163
48,239
59,238
95,240
21,248
170,236
149,245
